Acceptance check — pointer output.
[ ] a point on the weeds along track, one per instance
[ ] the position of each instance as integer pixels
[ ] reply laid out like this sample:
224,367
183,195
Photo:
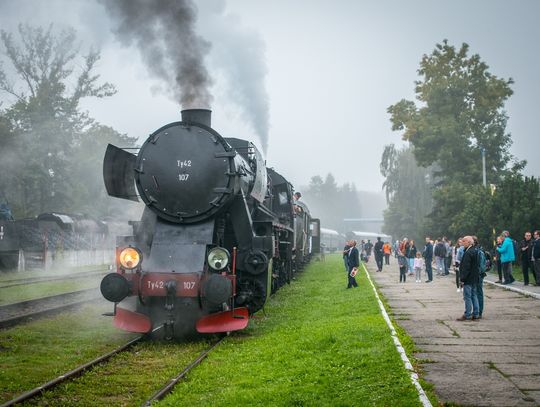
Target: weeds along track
167,388
44,279
196,356
70,375
17,313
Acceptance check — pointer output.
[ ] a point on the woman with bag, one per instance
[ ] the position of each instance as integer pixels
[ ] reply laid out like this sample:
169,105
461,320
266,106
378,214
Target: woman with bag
354,263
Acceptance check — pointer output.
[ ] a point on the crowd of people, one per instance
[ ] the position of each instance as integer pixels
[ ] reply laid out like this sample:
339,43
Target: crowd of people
468,259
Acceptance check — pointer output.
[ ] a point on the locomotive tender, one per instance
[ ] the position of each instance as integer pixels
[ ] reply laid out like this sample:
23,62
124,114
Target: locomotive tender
220,232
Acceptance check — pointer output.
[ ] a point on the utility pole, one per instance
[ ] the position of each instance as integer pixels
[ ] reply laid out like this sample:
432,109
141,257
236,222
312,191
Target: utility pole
483,151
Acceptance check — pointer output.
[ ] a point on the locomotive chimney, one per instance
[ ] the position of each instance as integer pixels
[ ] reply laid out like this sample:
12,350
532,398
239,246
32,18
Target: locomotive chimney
200,116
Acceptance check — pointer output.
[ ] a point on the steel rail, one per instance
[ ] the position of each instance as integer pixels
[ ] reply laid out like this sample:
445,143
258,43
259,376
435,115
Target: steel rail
71,374
45,279
13,314
161,393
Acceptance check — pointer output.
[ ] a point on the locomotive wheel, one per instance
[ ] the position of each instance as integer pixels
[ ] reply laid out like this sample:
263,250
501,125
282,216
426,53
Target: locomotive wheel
251,294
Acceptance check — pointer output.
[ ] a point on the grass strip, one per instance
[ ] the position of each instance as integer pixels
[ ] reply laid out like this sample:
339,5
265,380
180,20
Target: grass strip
37,352
321,345
10,295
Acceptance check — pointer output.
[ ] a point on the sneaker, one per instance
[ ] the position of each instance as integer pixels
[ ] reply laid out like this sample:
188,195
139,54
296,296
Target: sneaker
429,281
463,318
458,290
498,282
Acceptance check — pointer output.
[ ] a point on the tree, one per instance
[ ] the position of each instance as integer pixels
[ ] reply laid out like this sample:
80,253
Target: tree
44,130
331,202
460,110
408,193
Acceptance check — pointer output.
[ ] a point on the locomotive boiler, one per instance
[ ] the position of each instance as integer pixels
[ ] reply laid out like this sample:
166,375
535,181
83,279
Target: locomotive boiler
216,238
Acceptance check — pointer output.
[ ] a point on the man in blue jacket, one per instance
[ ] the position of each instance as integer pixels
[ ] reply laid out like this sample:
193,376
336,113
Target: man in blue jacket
507,255
428,256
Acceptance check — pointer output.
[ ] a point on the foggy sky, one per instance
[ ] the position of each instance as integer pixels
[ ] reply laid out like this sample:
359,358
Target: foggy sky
330,70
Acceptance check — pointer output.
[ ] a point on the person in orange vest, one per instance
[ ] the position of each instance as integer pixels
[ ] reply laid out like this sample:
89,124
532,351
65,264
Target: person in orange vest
387,250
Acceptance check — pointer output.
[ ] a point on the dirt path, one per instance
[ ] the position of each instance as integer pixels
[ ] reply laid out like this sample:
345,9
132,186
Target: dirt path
492,362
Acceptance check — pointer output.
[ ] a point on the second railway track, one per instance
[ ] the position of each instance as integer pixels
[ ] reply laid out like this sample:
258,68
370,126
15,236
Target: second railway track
16,313
78,371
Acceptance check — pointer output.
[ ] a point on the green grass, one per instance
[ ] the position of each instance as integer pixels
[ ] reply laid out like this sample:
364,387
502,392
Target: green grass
516,272
32,291
34,353
128,379
321,345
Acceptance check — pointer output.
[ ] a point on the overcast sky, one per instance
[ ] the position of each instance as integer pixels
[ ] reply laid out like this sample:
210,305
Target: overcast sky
332,70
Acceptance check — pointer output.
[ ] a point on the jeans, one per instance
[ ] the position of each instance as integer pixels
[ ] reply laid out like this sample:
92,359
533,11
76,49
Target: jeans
387,259
439,263
480,295
527,265
471,300
378,260
536,265
410,265
447,263
418,272
507,271
402,274
429,272
352,280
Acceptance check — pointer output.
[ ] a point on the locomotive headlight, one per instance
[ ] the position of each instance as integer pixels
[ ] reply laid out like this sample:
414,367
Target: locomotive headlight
130,258
218,258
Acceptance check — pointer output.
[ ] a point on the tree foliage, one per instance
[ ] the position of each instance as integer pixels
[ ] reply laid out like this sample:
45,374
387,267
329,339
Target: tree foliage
408,192
332,203
47,141
460,110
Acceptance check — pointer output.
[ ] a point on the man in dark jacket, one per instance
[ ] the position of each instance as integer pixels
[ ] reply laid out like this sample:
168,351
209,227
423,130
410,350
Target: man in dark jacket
354,263
525,248
379,255
427,254
535,256
469,276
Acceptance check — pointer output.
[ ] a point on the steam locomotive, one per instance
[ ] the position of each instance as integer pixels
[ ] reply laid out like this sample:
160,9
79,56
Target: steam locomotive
220,232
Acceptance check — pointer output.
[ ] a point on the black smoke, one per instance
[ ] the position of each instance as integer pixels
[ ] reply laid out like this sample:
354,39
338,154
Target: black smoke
164,32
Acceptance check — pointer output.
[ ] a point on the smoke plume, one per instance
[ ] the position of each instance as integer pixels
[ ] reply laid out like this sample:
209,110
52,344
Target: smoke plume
238,54
164,32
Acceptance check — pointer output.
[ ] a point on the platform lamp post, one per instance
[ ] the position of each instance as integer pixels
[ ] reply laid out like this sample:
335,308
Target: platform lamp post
483,151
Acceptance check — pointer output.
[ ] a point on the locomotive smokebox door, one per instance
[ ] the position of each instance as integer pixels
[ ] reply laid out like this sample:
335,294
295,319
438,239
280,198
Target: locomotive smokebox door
185,173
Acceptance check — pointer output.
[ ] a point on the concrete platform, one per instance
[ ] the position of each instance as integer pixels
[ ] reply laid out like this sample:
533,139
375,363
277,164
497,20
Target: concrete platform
492,362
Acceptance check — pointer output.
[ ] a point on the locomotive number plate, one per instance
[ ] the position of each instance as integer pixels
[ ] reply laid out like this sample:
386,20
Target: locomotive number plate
155,284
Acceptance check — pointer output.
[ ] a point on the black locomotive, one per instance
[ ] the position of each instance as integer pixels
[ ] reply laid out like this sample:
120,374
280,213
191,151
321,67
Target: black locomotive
220,232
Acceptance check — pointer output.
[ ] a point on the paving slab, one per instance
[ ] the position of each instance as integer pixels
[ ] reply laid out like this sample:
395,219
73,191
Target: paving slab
492,362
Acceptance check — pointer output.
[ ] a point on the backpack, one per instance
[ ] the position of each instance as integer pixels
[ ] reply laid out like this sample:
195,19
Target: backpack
516,248
482,262
489,262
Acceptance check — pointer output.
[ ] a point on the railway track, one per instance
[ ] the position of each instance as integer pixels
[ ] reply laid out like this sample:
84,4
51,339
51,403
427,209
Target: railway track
14,314
70,375
167,388
32,280
158,395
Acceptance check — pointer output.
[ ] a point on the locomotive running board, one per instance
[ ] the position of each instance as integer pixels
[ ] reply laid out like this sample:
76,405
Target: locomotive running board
226,321
131,321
